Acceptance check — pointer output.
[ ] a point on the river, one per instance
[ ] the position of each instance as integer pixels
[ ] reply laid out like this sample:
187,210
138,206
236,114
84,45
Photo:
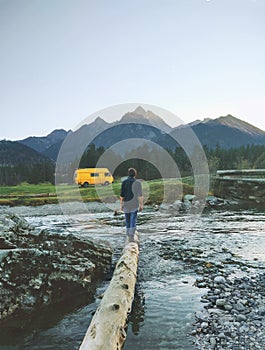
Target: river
172,254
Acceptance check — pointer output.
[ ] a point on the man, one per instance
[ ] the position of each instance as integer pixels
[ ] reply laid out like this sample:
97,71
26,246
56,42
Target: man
131,201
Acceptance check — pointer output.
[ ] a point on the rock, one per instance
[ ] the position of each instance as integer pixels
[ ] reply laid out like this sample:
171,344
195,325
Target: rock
212,342
38,268
36,232
201,285
216,291
215,312
178,204
202,315
228,307
244,329
204,325
212,200
261,311
220,302
166,207
239,307
241,318
221,335
189,197
5,244
219,280
199,279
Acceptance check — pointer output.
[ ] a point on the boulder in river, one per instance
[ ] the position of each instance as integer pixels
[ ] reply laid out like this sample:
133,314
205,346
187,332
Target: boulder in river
39,269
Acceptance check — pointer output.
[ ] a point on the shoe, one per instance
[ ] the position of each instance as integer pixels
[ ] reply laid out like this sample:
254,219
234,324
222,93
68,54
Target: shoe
131,238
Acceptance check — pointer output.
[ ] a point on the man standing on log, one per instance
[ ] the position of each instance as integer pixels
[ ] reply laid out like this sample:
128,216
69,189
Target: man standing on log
131,200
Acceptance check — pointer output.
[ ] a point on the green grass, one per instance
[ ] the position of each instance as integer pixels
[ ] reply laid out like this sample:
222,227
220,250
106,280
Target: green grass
27,194
170,190
25,188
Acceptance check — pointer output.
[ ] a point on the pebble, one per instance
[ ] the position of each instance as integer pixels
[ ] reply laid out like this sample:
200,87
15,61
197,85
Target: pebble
234,317
219,280
220,302
241,318
239,307
261,311
204,325
213,342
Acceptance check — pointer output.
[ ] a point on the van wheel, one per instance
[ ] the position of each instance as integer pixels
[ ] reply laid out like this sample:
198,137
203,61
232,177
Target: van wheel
106,183
85,184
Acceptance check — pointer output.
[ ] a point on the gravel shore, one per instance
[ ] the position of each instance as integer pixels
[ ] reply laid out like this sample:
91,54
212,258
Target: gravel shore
229,267
233,316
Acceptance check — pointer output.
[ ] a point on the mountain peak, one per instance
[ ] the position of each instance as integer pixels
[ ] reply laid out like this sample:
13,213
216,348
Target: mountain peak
139,115
236,123
57,132
41,143
139,110
99,120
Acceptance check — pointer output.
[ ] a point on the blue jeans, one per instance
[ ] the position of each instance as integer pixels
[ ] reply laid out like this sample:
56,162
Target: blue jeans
131,219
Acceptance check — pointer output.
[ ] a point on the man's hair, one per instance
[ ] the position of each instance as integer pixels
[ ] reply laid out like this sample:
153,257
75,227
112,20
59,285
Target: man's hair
132,172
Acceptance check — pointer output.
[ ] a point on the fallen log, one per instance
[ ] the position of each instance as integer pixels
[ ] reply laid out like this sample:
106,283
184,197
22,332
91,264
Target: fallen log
107,328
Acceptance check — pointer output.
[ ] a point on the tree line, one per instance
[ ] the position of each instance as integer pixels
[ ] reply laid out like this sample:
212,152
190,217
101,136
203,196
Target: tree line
145,160
31,173
149,163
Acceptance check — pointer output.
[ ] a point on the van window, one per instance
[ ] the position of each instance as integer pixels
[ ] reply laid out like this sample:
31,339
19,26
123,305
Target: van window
94,174
107,174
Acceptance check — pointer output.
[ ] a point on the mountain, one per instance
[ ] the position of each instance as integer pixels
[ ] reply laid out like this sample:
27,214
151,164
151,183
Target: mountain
20,163
33,158
141,124
13,153
139,115
53,151
236,123
227,132
42,143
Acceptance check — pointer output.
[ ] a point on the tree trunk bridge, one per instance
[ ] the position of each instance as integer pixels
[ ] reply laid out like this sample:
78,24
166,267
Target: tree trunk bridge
107,328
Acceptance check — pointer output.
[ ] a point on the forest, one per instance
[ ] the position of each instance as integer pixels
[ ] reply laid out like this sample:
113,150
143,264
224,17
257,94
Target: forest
245,157
12,175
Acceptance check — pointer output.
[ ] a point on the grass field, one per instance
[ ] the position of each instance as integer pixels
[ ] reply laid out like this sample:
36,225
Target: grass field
46,193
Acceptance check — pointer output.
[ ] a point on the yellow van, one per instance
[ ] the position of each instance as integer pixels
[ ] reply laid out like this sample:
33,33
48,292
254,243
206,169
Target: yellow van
93,176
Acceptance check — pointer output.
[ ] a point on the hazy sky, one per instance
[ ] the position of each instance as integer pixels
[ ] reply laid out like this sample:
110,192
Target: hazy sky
62,60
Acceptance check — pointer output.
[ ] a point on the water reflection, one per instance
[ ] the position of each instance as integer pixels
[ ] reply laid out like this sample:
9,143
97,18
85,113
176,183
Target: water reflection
136,317
164,320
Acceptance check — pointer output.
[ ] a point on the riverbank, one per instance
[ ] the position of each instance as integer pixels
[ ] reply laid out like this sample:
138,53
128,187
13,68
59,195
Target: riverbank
46,193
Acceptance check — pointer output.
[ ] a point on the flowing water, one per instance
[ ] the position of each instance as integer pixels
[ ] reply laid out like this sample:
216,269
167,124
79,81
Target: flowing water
166,298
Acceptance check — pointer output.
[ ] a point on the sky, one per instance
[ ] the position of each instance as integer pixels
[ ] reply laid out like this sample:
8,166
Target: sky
63,60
